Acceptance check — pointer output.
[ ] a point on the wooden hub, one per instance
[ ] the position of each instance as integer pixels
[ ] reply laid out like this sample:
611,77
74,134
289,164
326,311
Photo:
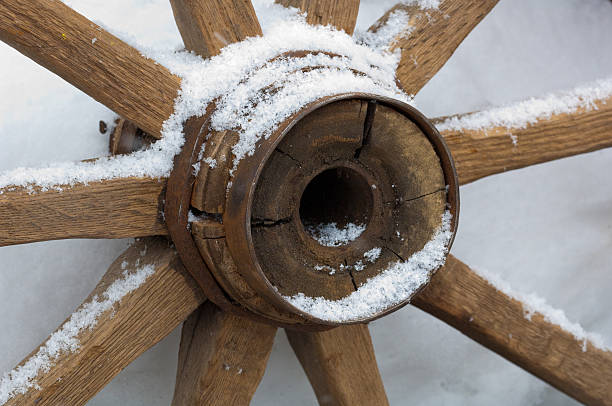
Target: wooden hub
339,192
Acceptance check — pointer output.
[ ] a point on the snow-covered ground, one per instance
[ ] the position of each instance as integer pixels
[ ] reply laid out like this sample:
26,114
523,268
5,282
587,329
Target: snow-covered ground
546,229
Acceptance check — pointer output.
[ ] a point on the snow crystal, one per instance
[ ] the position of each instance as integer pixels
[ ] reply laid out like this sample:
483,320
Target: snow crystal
235,78
519,115
65,340
533,304
392,286
373,254
330,235
212,163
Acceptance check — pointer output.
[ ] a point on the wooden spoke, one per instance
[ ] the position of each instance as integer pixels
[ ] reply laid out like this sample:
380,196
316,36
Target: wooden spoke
222,358
466,301
431,37
208,25
98,63
480,153
342,14
122,332
340,365
117,208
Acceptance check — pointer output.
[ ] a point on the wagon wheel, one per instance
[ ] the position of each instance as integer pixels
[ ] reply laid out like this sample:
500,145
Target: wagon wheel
217,277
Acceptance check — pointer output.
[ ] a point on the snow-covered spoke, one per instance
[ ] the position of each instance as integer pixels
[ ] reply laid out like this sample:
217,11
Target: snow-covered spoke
114,208
101,65
340,365
427,32
522,329
143,296
530,132
208,25
222,358
341,14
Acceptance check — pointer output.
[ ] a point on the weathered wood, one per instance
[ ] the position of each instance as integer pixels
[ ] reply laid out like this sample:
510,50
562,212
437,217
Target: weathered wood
431,37
133,325
222,358
209,25
117,208
480,153
466,301
340,365
342,14
101,65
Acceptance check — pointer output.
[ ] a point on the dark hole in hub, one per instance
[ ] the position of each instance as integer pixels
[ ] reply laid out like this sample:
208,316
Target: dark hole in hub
337,195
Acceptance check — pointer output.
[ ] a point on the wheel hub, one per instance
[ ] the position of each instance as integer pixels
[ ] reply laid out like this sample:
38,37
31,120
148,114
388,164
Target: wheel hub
336,195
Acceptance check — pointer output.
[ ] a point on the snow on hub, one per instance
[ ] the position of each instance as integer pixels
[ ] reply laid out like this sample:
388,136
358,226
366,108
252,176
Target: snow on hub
337,194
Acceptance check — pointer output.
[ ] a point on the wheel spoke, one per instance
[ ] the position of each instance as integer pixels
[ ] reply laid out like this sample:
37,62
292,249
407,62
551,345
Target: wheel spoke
483,152
342,14
340,365
208,25
101,65
222,358
90,353
431,36
466,301
116,208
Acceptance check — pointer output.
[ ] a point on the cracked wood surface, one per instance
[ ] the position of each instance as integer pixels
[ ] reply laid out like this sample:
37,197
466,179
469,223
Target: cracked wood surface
467,302
431,37
488,151
98,63
340,365
140,320
222,358
342,14
206,26
116,208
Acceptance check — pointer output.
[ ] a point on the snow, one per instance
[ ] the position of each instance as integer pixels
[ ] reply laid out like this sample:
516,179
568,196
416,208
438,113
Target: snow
392,286
396,26
236,78
532,304
373,254
545,228
330,235
66,338
521,114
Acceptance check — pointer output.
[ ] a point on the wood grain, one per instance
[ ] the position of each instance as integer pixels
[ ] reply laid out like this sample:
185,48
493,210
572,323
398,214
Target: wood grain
101,65
480,153
432,36
222,358
342,14
340,365
466,301
140,320
209,25
117,208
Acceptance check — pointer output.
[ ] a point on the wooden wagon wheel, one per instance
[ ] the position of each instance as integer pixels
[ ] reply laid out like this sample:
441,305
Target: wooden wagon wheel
234,263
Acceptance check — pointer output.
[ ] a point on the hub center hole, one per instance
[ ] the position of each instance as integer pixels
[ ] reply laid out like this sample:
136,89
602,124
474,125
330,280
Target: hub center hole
336,205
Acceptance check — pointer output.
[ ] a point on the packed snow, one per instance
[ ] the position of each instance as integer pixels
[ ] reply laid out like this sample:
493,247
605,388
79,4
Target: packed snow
520,224
394,285
66,338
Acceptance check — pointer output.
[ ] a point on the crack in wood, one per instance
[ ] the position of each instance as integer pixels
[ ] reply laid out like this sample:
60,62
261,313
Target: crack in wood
277,149
255,222
367,126
415,198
